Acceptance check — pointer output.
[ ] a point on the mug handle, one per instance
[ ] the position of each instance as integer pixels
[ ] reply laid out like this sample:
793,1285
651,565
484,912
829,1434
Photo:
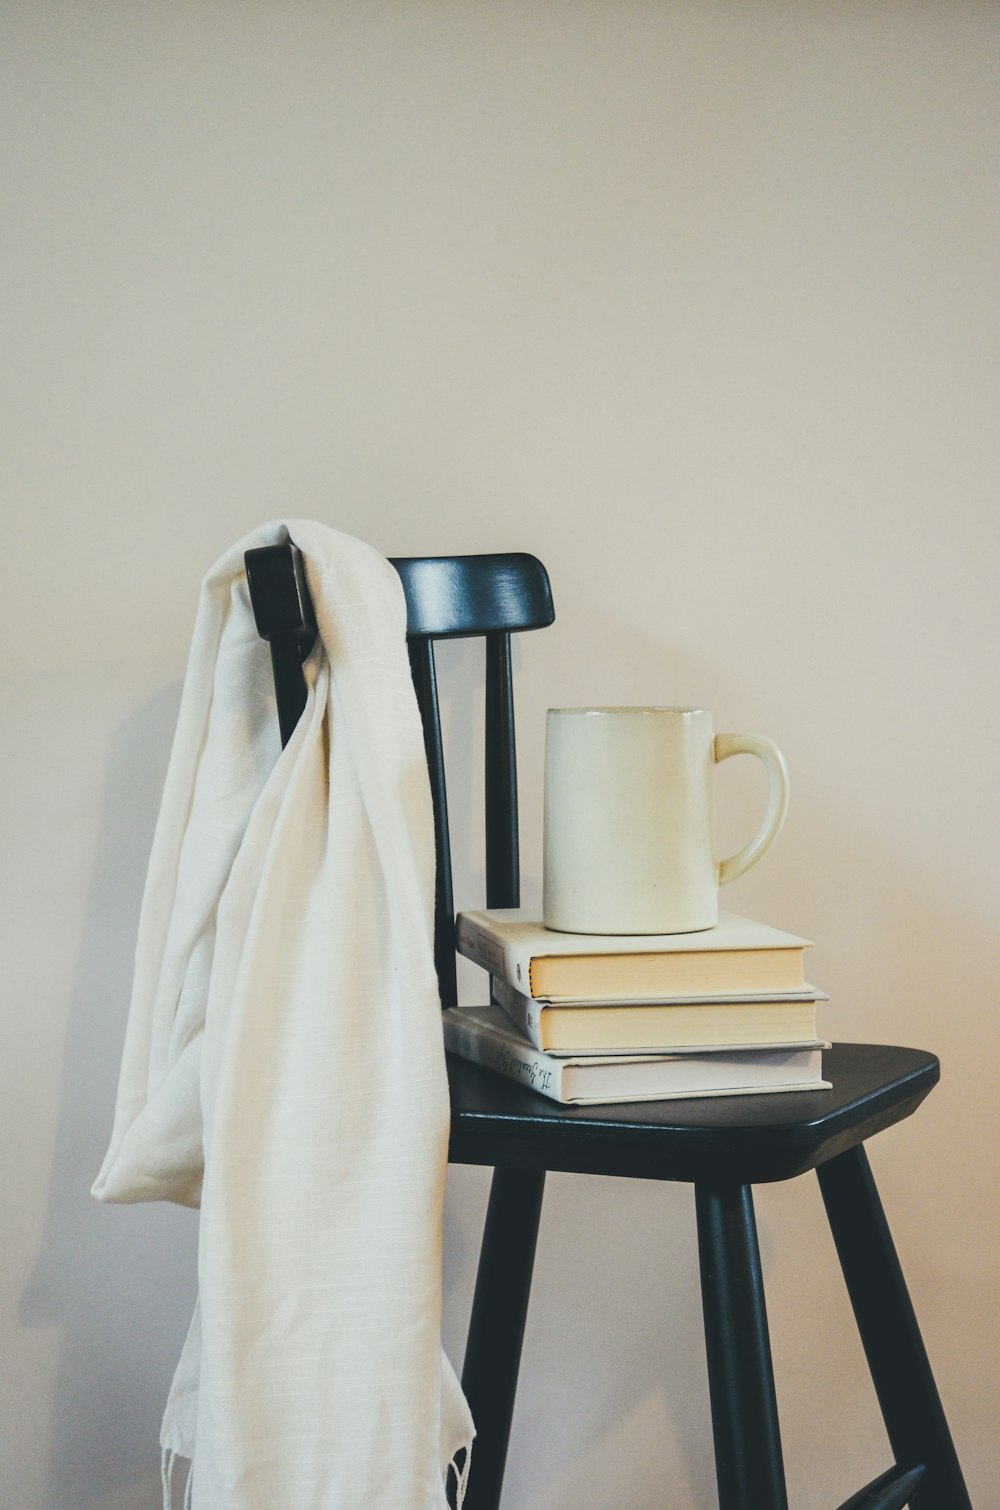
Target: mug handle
777,798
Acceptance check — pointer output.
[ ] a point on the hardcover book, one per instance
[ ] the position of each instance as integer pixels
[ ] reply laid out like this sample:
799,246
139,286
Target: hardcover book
485,1036
735,958
591,1027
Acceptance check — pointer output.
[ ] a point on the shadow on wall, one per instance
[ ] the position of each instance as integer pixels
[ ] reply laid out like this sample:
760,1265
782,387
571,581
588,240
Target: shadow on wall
118,1282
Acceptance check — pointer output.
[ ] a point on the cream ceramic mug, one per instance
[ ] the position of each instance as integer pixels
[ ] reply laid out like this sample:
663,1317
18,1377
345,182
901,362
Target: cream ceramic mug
630,818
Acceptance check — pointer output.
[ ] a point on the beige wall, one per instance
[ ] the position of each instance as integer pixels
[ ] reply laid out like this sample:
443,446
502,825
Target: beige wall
699,303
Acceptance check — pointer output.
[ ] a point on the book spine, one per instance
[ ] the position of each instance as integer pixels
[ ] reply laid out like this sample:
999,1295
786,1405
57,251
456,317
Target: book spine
477,944
523,1011
525,1065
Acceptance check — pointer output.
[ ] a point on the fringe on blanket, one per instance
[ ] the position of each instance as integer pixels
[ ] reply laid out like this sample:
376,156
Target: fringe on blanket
461,1473
168,1463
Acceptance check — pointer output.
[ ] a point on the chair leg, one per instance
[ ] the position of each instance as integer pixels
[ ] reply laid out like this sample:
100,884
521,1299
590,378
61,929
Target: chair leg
748,1459
908,1397
496,1330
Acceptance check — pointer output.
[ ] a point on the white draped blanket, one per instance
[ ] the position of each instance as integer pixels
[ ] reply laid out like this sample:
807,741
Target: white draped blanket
283,1065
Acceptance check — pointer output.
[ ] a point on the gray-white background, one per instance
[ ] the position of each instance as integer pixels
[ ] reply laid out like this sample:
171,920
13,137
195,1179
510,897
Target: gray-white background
699,303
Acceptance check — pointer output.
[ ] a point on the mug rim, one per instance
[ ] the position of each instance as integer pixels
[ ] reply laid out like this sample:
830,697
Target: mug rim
640,709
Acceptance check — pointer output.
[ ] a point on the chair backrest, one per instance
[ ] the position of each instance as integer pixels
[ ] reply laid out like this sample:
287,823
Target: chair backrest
447,597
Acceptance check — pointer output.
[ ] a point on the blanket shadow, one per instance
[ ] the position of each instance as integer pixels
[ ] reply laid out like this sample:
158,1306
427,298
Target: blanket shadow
101,1275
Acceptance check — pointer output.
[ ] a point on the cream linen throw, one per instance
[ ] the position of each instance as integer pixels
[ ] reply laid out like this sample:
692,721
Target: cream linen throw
283,1065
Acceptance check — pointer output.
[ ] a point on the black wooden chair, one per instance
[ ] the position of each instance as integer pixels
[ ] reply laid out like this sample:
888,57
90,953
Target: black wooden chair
722,1146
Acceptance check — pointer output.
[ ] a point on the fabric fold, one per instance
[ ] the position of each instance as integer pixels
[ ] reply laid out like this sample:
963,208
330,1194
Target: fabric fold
284,1066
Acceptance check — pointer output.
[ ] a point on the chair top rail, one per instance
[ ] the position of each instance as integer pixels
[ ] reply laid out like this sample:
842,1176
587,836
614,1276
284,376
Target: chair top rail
449,597
276,579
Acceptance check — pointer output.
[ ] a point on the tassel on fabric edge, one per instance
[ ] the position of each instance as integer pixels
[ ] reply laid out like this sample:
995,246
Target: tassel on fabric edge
461,1474
168,1464
167,1460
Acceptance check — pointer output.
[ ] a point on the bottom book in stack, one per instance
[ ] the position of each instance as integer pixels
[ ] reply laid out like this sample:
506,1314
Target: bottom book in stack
587,1053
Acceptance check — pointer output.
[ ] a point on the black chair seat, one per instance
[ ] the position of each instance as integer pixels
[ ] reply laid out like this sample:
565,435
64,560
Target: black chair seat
750,1139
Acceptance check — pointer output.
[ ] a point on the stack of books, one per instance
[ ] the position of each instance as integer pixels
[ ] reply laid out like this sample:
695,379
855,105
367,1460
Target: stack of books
588,1019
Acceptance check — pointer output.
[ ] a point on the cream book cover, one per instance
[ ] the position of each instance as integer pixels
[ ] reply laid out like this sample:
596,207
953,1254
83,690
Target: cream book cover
736,957
702,1023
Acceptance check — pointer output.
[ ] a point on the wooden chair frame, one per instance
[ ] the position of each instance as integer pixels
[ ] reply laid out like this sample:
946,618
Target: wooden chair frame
723,1146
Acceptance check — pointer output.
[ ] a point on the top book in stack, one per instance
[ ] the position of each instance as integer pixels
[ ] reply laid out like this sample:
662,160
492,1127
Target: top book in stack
736,957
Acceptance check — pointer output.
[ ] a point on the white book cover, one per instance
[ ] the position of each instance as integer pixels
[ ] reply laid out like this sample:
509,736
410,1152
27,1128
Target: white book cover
520,928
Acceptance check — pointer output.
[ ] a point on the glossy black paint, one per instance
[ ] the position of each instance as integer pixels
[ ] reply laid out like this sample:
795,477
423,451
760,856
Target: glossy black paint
721,1145
892,1490
748,1464
283,613
496,1326
425,685
900,1370
449,597
750,1140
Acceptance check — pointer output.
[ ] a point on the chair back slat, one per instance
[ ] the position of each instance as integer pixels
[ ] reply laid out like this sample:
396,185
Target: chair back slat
425,686
503,878
283,612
